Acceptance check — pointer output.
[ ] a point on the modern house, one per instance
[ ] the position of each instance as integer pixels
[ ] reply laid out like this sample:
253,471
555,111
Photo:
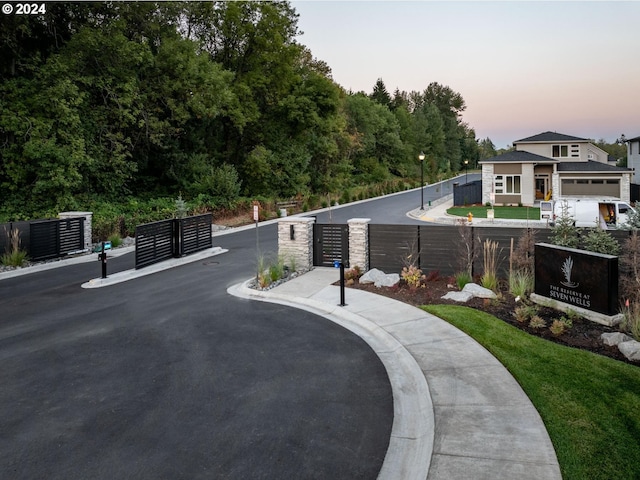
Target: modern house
551,165
633,157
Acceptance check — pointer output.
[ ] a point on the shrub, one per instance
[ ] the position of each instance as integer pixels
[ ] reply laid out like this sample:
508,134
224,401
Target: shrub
489,278
462,278
521,283
631,319
432,276
525,312
412,275
537,322
564,232
115,240
599,241
353,273
14,256
558,327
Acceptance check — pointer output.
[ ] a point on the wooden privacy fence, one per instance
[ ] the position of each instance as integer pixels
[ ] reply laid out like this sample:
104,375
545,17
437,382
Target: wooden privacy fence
442,248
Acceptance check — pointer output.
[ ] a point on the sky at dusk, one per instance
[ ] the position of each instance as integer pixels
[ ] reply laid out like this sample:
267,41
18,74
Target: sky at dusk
522,67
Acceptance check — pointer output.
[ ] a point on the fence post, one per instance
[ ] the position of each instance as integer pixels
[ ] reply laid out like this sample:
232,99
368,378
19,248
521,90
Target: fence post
295,241
359,243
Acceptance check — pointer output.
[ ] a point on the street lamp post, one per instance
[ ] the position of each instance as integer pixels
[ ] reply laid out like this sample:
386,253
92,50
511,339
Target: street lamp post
421,158
466,165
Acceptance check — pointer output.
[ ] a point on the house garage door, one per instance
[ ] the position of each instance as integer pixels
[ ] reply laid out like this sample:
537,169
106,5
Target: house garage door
593,188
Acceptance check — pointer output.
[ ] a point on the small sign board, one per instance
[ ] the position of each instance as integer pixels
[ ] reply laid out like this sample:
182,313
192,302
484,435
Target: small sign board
256,213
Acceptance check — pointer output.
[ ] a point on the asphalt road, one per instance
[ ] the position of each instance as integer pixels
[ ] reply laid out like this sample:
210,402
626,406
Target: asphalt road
169,377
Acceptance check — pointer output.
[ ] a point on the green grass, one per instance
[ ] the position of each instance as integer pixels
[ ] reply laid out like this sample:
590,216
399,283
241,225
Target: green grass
590,404
512,213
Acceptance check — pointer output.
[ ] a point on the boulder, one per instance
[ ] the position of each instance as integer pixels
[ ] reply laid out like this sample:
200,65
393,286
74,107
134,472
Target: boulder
379,278
631,350
478,291
459,296
615,338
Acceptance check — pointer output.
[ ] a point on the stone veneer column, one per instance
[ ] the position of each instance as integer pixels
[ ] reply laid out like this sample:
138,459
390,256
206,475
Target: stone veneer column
300,248
88,232
359,243
487,182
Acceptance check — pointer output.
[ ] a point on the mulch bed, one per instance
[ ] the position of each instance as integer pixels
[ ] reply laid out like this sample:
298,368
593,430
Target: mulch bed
584,334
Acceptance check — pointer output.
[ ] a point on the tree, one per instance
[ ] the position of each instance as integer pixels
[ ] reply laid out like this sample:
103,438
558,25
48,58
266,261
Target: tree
486,149
380,94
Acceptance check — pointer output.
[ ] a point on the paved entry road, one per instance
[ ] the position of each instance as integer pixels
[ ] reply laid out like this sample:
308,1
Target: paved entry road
169,377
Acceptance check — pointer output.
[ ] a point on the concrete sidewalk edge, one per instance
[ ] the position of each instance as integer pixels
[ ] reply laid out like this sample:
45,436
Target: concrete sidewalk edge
412,434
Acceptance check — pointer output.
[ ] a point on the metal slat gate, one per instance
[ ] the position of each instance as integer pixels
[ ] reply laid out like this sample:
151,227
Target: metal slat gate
331,243
167,239
54,238
195,233
154,242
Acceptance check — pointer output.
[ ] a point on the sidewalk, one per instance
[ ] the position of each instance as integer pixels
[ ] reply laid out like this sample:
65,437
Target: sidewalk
458,413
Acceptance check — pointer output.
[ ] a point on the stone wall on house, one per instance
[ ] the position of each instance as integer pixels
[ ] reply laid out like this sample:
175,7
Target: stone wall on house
359,243
88,232
487,182
295,241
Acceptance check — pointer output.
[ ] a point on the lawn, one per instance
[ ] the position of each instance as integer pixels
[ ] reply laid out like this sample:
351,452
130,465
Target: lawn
513,213
590,404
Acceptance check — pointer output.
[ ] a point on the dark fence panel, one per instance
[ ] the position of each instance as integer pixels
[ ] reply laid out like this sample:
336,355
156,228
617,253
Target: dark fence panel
331,243
44,239
467,194
24,230
195,233
392,247
440,248
154,242
71,235
635,193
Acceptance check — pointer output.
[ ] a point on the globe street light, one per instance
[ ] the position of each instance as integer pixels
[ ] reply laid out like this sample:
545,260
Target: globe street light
421,158
466,165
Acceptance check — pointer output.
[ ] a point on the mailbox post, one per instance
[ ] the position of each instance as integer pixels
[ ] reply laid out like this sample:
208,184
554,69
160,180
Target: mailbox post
102,258
340,264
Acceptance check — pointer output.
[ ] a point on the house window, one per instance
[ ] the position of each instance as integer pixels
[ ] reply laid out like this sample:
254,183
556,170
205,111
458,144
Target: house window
560,151
506,184
575,151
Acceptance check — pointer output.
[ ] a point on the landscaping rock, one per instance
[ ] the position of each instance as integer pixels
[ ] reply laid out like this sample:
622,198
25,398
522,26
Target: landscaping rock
631,350
379,278
459,296
478,291
615,338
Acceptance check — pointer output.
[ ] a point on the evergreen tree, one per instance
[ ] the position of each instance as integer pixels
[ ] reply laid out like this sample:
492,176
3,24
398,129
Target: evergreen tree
380,94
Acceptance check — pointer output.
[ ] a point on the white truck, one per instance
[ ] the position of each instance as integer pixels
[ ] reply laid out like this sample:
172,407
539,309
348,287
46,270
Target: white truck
609,213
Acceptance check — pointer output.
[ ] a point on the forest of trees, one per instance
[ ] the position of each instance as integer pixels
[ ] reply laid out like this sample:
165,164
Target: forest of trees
213,101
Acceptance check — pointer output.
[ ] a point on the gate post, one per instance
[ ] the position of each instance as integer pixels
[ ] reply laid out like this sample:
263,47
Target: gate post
87,225
359,243
295,241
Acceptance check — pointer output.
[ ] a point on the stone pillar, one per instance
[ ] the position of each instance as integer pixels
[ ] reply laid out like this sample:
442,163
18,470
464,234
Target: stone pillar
359,243
295,241
487,182
87,225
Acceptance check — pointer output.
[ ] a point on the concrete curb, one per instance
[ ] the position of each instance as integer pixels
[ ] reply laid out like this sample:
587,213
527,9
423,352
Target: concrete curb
158,267
412,434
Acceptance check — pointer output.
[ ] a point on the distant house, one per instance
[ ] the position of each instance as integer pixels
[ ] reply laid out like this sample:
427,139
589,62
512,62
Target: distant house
633,158
550,165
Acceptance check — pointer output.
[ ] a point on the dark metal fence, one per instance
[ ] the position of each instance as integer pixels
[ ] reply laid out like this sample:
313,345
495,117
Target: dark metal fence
444,248
154,242
45,239
159,241
195,233
467,194
331,243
